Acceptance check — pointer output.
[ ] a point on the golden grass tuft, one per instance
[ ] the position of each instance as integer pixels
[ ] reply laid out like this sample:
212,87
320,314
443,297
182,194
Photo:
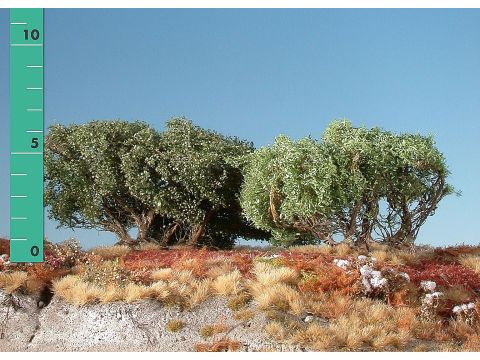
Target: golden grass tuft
207,331
160,290
239,301
183,276
13,281
216,268
150,246
224,344
368,324
111,252
343,250
134,292
162,274
244,315
458,294
275,330
228,284
175,325
330,305
268,275
193,265
471,261
200,292
380,255
461,330
112,293
75,291
34,285
313,249
278,297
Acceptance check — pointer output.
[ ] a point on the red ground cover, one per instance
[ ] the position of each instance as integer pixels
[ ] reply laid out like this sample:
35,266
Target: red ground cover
445,274
4,247
313,262
150,259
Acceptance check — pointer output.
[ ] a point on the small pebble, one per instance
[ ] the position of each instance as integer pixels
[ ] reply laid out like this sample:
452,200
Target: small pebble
308,318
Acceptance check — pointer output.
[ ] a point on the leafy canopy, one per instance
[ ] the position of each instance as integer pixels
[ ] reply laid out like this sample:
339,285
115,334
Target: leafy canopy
176,185
357,183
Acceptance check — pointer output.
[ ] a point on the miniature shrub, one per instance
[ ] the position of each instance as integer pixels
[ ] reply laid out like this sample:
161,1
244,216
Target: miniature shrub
355,183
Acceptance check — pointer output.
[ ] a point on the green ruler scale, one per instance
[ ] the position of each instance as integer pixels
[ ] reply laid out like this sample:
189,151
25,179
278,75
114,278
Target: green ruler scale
26,135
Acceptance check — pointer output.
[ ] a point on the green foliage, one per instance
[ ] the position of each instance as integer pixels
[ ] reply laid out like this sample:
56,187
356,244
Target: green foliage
192,176
183,184
179,185
85,185
358,183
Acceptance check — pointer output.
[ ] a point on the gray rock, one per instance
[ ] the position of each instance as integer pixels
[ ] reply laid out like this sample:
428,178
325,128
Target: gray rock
126,327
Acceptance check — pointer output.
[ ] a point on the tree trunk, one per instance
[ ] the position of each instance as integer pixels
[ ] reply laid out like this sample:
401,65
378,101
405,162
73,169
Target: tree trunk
169,233
200,230
123,236
404,235
352,226
143,223
367,224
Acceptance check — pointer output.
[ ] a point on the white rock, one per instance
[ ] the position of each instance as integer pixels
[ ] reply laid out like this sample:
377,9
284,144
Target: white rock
308,318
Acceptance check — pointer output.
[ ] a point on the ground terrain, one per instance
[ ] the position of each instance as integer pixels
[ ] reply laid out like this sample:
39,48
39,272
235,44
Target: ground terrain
310,298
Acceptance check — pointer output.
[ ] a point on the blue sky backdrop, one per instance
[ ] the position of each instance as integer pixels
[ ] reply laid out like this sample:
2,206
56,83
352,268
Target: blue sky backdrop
260,73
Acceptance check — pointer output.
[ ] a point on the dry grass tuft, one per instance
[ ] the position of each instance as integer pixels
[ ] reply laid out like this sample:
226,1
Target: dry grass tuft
472,343
134,292
275,330
11,282
244,315
174,325
239,301
75,291
471,261
111,252
216,271
461,330
268,275
201,291
160,290
315,336
34,285
207,331
222,345
343,250
278,297
112,293
150,246
162,274
330,305
184,277
368,324
194,265
313,249
380,255
228,284
457,293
